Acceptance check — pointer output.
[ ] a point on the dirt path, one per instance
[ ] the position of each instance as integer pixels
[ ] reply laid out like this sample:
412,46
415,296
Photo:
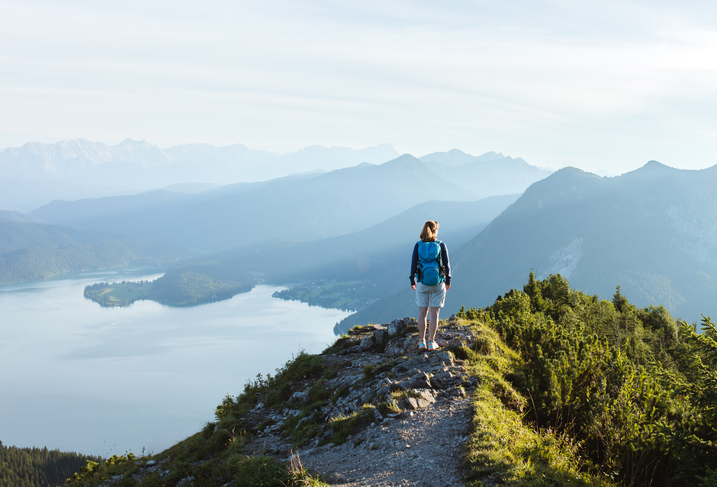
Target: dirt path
421,444
423,448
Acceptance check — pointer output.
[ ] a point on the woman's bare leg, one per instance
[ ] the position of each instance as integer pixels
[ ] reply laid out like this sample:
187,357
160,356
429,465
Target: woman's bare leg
434,323
422,312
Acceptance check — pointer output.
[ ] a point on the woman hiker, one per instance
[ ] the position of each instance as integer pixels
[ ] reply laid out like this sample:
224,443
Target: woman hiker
431,278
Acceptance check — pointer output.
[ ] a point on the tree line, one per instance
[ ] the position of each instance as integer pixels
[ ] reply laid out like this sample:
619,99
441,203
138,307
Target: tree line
38,467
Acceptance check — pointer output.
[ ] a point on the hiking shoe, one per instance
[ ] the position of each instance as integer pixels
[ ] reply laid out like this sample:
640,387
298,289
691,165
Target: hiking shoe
421,345
433,346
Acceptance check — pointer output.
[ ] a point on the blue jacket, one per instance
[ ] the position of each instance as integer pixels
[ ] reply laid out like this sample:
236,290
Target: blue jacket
446,267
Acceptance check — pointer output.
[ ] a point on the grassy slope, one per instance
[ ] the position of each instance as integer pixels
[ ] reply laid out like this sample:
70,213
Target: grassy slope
572,391
501,448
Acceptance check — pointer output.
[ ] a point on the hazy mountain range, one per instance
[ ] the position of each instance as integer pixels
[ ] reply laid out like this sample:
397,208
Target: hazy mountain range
297,208
277,215
36,174
80,168
651,231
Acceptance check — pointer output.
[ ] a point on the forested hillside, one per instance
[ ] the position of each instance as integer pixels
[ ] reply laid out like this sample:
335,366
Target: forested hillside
38,467
31,251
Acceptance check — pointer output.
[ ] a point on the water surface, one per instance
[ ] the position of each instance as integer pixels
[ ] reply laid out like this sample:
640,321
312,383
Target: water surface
80,377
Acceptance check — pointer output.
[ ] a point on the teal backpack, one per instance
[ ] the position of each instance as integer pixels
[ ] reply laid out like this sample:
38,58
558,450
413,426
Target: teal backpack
429,263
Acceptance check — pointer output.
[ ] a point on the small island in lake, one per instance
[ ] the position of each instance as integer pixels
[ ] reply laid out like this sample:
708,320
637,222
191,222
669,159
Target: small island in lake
118,293
174,289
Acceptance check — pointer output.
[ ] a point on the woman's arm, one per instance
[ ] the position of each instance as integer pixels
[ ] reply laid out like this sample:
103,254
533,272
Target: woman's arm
446,264
414,266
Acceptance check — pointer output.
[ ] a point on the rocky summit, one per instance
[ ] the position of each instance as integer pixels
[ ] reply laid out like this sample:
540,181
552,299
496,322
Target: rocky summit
417,439
378,367
370,410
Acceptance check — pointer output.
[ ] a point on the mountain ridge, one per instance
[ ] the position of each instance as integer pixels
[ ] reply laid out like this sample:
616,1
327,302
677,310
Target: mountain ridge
653,232
333,203
81,161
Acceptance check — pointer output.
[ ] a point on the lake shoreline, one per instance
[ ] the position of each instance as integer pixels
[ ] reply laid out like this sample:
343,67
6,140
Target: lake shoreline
101,381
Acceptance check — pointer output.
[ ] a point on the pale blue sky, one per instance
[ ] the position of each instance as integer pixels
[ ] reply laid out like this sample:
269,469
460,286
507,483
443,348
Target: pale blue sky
601,85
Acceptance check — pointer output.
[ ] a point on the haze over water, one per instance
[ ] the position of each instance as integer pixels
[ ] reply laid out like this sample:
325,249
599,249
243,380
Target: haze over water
101,381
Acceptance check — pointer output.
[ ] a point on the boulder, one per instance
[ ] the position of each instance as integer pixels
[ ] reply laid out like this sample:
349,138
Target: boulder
418,381
367,343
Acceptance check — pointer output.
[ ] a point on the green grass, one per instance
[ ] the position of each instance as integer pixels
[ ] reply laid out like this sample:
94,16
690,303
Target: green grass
502,449
505,445
345,426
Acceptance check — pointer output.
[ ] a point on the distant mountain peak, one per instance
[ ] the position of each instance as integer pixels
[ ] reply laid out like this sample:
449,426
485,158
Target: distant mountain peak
494,156
573,171
405,160
651,171
454,157
458,153
135,144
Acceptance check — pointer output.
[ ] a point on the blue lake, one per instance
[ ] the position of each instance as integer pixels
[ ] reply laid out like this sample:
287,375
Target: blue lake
79,377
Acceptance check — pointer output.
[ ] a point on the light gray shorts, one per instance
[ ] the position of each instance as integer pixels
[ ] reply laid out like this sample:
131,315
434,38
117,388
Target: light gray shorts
433,295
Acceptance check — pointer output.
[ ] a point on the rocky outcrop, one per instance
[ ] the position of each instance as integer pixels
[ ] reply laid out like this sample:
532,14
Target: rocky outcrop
371,410
377,367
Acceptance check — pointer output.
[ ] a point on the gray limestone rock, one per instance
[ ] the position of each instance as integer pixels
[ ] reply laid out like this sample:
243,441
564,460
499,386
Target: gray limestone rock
367,343
379,336
396,327
416,402
418,381
299,396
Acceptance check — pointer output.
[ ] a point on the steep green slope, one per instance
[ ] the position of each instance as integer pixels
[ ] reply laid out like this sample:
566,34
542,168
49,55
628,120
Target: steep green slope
629,388
566,390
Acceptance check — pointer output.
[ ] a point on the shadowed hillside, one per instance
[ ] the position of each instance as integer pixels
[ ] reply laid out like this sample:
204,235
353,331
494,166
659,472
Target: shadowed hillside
652,231
344,272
